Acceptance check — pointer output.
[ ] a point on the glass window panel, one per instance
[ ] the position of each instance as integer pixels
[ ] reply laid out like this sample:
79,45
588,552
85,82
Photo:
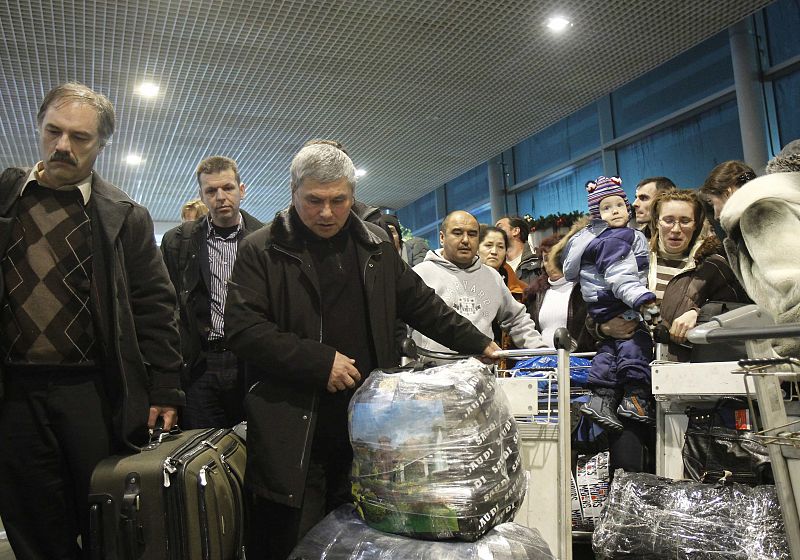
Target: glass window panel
783,21
468,190
685,152
687,78
786,97
419,213
431,236
569,138
561,192
483,214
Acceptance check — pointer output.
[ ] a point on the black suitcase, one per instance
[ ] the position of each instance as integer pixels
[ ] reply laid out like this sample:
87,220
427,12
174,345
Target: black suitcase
180,498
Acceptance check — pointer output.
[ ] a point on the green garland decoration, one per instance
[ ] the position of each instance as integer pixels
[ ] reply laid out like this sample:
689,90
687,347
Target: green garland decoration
553,221
405,233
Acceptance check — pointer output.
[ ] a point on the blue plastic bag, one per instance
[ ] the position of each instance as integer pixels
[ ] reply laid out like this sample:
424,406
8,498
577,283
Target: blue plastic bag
538,366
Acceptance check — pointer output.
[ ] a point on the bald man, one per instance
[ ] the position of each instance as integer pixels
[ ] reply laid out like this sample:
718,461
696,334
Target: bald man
475,290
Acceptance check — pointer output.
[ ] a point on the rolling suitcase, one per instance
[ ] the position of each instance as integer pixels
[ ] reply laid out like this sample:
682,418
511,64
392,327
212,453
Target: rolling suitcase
180,498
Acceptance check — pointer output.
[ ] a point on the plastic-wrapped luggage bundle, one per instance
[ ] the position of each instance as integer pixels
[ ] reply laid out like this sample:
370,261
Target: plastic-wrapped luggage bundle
435,452
649,517
589,490
342,535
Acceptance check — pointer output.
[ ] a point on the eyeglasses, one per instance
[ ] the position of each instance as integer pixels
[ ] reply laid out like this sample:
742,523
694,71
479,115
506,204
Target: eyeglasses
669,222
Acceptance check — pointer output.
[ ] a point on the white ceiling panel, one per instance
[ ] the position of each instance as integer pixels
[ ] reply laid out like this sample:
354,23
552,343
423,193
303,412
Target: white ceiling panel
418,91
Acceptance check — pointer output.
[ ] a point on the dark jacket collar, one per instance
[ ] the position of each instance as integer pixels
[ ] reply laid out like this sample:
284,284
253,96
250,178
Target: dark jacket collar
199,227
250,223
284,231
11,182
111,206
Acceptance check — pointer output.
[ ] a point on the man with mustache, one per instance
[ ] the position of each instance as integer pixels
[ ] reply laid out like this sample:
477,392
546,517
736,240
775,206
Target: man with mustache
475,290
88,340
199,255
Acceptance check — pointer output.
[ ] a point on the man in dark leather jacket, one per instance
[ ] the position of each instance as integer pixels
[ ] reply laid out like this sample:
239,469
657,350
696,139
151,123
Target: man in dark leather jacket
312,304
199,255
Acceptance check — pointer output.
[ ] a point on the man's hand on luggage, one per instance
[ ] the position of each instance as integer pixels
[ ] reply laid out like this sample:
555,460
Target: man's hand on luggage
168,413
344,374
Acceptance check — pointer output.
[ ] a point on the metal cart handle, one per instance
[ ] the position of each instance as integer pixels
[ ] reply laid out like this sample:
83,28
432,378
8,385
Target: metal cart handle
745,323
561,340
764,362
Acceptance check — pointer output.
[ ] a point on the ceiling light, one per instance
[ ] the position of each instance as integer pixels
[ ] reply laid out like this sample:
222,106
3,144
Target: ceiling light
361,172
133,159
558,23
147,89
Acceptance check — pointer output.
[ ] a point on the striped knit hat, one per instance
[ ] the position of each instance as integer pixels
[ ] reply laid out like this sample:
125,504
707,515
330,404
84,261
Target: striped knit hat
602,188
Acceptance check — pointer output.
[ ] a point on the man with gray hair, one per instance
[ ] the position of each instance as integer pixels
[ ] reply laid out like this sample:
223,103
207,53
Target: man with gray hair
312,304
89,344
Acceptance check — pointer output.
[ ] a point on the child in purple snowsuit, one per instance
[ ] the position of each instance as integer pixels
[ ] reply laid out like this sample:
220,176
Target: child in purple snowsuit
610,260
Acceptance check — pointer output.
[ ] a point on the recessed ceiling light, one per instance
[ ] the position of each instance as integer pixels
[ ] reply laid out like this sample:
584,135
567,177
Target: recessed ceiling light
147,89
133,159
361,172
558,23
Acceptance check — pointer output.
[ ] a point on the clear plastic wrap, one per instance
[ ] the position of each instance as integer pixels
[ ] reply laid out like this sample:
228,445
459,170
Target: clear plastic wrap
589,490
653,518
343,535
435,452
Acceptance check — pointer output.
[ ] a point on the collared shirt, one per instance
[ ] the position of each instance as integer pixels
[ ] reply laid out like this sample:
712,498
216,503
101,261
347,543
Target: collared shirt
221,256
85,186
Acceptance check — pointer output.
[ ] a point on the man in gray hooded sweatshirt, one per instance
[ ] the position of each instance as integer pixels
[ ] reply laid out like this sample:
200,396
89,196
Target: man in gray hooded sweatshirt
473,289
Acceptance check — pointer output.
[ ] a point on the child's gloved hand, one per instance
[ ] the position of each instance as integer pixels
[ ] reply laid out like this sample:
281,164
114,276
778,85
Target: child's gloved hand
650,312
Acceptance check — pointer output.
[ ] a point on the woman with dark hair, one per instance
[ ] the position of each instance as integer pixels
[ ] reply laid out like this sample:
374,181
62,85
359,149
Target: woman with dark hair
554,302
723,181
492,250
688,267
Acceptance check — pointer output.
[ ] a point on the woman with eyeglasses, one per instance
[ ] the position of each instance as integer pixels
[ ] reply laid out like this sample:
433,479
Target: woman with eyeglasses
688,267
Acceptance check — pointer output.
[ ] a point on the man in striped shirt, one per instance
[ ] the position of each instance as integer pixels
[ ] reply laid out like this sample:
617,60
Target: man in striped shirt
199,255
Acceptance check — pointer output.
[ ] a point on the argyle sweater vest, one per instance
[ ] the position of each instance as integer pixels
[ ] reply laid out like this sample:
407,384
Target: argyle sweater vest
45,314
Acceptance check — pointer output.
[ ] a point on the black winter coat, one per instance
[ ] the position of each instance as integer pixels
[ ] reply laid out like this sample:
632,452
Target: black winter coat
133,304
273,322
530,266
192,284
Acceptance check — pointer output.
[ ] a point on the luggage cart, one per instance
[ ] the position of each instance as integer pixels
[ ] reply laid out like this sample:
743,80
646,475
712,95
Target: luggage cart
780,432
677,385
545,444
